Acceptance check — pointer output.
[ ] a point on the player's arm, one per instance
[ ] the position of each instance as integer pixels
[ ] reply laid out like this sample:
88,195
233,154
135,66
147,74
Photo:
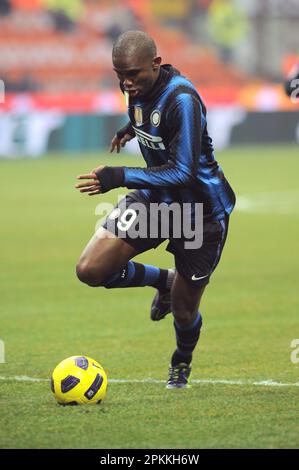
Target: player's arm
92,184
124,135
184,123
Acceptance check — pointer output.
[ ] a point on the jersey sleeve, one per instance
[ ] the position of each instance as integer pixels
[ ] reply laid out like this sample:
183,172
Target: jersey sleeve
183,125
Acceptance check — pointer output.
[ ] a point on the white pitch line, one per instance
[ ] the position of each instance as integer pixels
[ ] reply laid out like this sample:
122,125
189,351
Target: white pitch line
274,202
263,383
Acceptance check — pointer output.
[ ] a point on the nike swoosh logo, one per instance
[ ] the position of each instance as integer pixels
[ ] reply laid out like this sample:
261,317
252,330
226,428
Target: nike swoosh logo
195,278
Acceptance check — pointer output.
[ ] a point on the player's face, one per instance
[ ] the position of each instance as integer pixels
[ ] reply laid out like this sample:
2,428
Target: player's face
137,75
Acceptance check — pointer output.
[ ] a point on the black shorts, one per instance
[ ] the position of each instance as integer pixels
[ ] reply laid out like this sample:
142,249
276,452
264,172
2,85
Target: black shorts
132,220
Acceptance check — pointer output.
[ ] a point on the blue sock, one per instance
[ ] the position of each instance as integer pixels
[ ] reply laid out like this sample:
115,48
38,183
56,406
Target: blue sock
186,340
138,275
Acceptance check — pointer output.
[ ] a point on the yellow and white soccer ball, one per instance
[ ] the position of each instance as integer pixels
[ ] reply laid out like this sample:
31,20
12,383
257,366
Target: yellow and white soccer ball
79,380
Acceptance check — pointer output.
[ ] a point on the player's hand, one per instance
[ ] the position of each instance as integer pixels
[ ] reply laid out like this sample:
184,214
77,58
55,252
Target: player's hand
92,186
119,143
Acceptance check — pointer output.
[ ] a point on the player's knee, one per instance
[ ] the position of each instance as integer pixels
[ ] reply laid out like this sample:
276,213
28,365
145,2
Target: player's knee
183,317
183,312
88,274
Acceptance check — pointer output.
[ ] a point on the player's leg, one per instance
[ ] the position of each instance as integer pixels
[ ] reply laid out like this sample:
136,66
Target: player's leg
185,301
194,269
106,260
161,304
104,255
203,260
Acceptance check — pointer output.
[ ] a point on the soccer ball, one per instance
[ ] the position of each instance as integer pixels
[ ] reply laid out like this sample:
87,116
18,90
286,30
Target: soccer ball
78,380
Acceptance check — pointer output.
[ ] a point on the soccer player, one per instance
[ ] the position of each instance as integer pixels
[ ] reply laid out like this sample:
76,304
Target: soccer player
291,84
168,117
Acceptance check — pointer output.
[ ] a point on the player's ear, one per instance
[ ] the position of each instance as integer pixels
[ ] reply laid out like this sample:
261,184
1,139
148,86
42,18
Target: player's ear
156,63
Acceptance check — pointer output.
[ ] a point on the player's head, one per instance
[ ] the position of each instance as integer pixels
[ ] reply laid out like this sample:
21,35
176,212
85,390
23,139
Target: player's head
135,62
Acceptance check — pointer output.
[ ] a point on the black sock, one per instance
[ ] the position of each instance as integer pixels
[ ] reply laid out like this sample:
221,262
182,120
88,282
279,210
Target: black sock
186,339
138,275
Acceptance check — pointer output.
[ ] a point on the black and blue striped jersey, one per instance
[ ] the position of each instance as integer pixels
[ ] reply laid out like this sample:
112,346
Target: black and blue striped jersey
171,128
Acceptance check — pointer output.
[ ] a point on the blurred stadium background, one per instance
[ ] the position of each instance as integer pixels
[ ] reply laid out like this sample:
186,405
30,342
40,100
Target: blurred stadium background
61,94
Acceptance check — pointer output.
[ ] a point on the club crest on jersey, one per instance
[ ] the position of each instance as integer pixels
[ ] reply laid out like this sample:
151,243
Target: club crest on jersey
155,118
138,115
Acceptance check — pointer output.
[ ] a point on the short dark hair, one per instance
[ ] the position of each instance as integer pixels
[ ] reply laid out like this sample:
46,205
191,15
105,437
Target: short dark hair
132,43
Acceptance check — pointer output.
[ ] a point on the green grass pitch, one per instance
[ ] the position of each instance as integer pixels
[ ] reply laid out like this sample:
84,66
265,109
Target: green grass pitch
250,312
